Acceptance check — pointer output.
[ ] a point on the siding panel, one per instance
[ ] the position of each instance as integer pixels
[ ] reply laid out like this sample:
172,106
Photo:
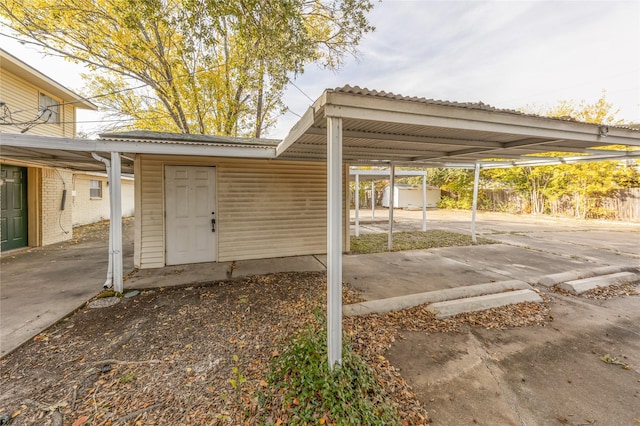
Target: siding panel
265,208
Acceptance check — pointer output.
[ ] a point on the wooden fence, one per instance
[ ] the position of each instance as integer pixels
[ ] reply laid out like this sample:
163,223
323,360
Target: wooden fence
623,205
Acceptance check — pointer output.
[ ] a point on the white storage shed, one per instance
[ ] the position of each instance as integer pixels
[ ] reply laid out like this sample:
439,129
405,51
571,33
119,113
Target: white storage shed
410,196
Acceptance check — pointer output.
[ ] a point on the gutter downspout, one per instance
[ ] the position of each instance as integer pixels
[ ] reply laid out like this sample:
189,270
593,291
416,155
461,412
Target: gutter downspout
115,222
114,275
109,281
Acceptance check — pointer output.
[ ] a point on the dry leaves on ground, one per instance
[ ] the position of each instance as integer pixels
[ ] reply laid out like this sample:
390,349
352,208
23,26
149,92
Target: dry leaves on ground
603,293
180,356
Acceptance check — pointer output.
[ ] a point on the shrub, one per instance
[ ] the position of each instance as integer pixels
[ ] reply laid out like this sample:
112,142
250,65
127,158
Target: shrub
303,390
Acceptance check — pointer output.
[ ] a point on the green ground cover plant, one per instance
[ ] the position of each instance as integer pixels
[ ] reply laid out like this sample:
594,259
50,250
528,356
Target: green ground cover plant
414,240
306,391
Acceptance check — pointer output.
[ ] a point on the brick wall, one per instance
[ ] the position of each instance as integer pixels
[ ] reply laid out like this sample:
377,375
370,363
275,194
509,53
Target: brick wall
87,209
56,223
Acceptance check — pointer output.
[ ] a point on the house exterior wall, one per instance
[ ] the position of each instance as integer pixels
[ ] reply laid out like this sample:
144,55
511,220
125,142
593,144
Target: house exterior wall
266,208
90,210
48,223
56,223
19,95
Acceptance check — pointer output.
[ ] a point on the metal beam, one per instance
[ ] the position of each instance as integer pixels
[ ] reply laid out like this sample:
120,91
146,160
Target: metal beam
357,192
106,146
474,207
485,122
298,130
334,241
373,200
392,196
417,139
424,202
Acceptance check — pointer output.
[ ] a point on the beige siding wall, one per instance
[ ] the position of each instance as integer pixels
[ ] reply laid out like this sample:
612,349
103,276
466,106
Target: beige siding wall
90,210
266,208
56,223
22,96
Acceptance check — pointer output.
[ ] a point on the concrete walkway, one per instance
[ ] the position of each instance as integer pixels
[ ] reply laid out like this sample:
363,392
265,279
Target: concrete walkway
38,287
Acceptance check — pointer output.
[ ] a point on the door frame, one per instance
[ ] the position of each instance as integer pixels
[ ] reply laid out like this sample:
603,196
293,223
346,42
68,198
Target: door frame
26,210
164,204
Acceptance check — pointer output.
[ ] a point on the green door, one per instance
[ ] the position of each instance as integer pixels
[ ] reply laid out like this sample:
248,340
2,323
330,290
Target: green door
13,217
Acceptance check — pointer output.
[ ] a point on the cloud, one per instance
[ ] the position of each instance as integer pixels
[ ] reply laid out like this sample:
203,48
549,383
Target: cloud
508,54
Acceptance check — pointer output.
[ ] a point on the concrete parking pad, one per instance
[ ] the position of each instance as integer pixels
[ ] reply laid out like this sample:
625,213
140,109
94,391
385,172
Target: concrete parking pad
531,375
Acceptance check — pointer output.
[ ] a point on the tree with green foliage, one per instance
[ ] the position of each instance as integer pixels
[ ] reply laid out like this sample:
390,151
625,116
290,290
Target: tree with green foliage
193,66
586,183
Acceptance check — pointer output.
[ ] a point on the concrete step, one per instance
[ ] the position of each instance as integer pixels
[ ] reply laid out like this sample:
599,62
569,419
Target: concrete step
555,279
450,308
409,301
586,284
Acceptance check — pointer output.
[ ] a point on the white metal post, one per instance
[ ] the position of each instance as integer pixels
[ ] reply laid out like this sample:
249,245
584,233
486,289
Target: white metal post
109,281
476,180
334,240
115,196
392,196
357,204
373,200
424,201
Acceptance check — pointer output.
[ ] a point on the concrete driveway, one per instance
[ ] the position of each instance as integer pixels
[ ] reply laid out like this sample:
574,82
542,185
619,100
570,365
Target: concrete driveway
528,248
550,375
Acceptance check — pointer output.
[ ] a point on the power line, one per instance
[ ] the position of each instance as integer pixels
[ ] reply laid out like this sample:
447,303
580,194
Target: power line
301,91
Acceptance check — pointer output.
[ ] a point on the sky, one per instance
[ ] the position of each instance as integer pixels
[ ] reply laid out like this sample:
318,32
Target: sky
509,54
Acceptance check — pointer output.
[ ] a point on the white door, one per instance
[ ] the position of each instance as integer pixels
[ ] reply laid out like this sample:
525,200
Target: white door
190,208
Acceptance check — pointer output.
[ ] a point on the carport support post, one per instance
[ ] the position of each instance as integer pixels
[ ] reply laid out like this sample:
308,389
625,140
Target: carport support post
373,200
115,197
392,196
474,207
424,202
357,204
334,241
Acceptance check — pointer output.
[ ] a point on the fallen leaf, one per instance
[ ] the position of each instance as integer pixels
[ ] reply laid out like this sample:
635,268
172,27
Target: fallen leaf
278,422
80,420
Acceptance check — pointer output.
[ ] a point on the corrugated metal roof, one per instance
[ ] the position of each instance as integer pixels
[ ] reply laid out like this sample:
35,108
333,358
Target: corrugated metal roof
379,126
188,139
357,90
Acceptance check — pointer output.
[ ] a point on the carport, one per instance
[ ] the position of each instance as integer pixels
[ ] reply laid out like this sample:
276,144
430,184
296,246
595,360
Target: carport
364,127
390,175
355,126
